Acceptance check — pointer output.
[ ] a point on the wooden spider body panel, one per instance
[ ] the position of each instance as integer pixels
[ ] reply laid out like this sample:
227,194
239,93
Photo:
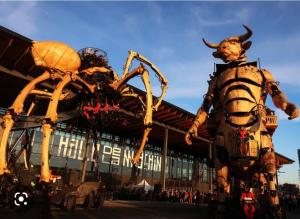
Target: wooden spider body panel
55,55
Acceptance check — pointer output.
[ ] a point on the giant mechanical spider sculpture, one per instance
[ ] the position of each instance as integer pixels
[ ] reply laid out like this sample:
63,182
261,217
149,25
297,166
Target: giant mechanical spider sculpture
89,72
237,94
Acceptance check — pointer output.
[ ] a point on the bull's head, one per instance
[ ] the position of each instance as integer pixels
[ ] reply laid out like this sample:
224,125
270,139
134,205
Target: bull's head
232,49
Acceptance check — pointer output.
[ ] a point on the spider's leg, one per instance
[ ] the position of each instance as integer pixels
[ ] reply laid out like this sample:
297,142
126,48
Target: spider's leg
128,92
118,84
147,117
8,120
17,106
90,87
50,119
164,82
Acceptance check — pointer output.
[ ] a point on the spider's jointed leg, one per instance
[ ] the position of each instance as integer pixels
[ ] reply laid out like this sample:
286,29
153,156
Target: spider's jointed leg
149,105
147,118
15,110
141,70
50,119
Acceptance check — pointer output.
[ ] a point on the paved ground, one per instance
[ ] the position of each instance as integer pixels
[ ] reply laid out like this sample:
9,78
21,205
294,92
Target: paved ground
117,210
294,214
124,210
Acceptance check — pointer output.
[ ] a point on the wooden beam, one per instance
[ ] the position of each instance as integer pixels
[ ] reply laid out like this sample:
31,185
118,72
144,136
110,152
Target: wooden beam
6,47
161,107
182,119
161,112
173,117
128,103
134,107
21,56
189,121
166,115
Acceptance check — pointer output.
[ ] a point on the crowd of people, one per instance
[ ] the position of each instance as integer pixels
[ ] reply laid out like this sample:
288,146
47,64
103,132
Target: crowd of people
197,198
183,196
290,202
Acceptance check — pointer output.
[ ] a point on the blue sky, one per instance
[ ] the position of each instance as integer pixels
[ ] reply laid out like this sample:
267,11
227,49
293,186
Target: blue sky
169,34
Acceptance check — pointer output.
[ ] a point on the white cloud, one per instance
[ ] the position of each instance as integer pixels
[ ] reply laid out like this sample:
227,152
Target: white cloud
156,12
163,53
188,78
130,23
21,17
205,17
243,15
281,55
290,42
286,73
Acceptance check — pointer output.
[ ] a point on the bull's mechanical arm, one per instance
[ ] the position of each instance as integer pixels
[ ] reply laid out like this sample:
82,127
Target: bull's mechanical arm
64,66
236,102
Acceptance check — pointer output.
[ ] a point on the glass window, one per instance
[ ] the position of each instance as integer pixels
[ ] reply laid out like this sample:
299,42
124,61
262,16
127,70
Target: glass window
115,154
127,154
179,168
205,173
191,169
184,168
172,166
157,164
214,174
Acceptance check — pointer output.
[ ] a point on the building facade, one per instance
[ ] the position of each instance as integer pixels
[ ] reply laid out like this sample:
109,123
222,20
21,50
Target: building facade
183,170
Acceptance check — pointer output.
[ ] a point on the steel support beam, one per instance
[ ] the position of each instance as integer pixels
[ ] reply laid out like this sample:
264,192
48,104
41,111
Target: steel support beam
164,160
5,49
85,153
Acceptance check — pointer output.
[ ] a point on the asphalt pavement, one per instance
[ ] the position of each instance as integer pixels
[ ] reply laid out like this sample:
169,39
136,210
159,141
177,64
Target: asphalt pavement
117,210
122,210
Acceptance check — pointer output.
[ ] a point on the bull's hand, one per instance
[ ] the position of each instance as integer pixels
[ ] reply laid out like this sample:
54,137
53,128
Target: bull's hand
292,110
191,133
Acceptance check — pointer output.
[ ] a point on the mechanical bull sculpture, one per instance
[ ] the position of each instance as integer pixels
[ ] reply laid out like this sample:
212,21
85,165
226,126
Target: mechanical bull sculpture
242,140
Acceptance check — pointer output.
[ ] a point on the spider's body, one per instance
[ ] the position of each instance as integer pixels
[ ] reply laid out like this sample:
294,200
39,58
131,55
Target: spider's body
88,73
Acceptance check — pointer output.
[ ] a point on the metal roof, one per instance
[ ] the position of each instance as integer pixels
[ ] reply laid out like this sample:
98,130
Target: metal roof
281,159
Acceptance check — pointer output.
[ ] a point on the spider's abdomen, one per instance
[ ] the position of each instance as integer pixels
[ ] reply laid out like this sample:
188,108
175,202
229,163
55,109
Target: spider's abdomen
56,55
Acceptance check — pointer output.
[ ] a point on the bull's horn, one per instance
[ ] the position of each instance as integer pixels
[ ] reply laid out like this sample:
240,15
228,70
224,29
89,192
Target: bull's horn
245,36
210,45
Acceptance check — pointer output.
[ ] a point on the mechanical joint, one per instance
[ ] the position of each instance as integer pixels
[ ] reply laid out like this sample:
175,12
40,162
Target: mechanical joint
273,193
270,176
48,121
149,125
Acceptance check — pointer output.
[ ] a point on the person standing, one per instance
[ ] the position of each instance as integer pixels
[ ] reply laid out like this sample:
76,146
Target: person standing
248,199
